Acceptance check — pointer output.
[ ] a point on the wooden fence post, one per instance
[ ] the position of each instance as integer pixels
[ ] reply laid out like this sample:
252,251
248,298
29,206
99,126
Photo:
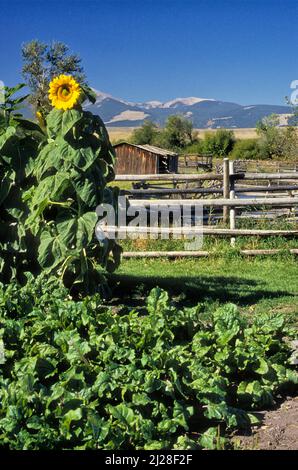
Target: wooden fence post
226,188
232,196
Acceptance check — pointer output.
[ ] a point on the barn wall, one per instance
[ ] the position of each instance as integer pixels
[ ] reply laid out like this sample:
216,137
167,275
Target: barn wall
131,160
173,164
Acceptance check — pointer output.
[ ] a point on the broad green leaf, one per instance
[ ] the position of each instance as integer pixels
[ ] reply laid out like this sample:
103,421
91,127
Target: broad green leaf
122,413
54,123
70,118
99,427
185,443
87,190
28,125
262,368
6,183
51,251
6,138
254,420
49,159
211,439
70,417
85,228
68,230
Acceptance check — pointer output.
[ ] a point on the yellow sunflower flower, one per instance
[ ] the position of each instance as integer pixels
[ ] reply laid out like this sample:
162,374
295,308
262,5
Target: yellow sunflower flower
64,92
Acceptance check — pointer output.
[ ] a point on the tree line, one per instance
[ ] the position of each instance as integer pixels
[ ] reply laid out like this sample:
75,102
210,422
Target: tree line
178,134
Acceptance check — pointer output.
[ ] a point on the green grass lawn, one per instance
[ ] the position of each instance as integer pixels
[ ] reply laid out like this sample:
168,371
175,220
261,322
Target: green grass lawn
253,284
214,244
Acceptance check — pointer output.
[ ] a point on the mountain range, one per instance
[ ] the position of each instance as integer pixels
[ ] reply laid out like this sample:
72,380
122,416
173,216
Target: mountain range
204,113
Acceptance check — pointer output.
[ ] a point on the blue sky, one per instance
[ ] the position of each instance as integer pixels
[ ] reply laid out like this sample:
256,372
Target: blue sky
241,51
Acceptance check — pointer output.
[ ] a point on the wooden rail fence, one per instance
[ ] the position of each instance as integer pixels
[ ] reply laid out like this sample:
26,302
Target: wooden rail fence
231,184
200,254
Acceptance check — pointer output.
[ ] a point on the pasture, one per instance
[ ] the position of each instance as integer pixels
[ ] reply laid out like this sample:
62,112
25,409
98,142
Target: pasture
256,285
124,133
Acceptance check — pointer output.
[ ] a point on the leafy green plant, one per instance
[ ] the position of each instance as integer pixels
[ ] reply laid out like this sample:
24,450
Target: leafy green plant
246,149
10,106
196,147
19,143
219,143
78,375
71,173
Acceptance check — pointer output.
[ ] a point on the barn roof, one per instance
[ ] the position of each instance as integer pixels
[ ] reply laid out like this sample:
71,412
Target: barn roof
152,149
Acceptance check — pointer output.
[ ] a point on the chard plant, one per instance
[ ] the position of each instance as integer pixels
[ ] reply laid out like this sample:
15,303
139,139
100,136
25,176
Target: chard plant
71,173
75,375
19,143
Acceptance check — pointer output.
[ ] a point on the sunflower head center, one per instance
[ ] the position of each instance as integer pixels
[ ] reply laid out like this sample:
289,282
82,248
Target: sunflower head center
65,91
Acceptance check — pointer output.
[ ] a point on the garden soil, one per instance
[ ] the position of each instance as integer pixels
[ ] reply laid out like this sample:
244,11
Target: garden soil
278,429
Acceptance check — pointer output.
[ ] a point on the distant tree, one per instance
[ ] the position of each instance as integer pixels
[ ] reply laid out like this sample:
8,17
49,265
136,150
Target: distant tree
146,134
246,149
267,123
276,141
178,132
219,143
42,62
293,121
271,138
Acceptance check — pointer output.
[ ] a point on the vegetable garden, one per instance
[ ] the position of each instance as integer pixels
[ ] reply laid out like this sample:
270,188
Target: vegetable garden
79,371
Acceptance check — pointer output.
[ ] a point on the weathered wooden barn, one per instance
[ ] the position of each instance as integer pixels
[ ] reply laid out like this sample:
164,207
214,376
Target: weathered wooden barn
144,159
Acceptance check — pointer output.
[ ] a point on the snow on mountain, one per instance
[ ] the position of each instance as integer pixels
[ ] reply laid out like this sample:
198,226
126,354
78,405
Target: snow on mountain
186,101
100,96
203,112
151,104
189,101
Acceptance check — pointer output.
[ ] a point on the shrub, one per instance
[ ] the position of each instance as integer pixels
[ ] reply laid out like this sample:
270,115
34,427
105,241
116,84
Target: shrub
220,143
196,147
246,149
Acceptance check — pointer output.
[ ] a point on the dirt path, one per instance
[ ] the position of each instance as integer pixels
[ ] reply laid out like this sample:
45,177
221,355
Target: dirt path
278,431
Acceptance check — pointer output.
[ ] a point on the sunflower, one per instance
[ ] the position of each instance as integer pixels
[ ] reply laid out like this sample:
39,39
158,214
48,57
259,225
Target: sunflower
64,92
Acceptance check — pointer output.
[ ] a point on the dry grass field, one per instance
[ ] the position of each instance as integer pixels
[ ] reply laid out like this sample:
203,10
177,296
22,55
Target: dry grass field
123,133
245,133
119,133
